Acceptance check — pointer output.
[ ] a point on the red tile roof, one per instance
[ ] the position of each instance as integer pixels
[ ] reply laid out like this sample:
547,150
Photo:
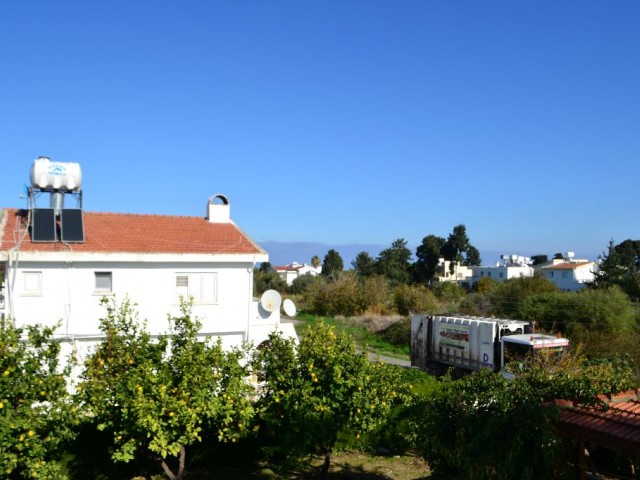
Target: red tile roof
133,233
566,266
616,427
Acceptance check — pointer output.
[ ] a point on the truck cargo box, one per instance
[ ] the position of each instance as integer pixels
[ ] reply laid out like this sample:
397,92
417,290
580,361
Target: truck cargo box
464,342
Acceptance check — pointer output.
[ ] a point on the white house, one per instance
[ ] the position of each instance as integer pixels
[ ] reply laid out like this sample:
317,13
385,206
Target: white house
570,275
290,272
58,272
509,266
461,273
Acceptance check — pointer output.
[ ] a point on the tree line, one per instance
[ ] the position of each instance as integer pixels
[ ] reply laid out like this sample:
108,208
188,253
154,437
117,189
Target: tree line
618,266
605,315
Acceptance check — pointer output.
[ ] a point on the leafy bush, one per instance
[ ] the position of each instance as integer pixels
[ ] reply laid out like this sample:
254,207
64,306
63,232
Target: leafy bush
508,296
605,310
304,283
398,333
484,426
449,292
347,295
375,293
411,299
478,304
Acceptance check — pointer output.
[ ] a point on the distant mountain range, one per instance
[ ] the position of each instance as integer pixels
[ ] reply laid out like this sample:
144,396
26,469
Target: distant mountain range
285,253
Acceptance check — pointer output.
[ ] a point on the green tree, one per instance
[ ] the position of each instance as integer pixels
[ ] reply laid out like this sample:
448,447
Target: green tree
265,267
315,261
313,393
428,255
620,266
36,414
472,256
332,265
268,281
457,243
159,397
364,265
539,259
394,263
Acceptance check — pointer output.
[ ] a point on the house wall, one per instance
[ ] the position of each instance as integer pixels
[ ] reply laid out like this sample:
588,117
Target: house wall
67,293
502,272
571,279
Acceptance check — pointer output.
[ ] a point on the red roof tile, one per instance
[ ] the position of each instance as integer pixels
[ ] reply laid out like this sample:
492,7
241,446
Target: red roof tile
566,266
133,233
616,427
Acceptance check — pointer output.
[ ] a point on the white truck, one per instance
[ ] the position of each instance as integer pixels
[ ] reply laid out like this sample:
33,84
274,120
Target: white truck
466,343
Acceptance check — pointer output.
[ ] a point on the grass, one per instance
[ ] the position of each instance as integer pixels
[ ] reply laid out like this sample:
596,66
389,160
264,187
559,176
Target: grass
364,337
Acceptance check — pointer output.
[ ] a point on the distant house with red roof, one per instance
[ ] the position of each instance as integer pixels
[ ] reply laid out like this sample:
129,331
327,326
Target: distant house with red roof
154,260
569,274
294,270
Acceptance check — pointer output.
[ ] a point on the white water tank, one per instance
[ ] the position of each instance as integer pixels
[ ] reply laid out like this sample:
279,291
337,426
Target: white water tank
63,176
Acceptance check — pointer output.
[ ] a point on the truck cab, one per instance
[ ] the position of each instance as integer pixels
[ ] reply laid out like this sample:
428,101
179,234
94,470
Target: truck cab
523,346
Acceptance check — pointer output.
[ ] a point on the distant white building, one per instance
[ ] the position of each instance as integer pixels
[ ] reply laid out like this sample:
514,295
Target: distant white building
290,272
569,274
509,266
460,274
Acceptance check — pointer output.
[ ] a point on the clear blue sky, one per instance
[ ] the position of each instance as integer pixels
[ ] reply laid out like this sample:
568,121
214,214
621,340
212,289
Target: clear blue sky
337,121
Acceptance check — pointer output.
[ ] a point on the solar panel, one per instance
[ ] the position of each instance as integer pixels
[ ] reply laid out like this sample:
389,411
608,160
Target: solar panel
71,225
43,225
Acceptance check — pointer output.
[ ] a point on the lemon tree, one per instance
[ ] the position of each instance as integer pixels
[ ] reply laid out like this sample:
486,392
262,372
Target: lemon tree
36,415
159,396
315,391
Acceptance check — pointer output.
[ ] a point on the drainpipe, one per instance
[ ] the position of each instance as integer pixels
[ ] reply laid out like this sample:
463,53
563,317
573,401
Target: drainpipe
67,307
250,296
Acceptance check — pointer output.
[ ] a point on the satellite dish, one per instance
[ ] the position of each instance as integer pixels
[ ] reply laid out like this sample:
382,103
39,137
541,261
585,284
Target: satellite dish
270,300
289,308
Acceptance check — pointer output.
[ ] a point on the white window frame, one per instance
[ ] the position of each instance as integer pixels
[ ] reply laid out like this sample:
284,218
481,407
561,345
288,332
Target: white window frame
32,286
202,287
102,289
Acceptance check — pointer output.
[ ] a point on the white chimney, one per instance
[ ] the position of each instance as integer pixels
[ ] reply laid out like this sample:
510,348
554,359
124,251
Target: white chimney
218,209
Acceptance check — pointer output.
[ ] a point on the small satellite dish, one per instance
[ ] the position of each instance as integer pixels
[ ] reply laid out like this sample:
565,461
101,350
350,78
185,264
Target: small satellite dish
270,300
289,308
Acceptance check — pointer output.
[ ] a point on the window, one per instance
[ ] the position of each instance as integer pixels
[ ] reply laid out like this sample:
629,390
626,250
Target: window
501,274
103,282
202,287
32,283
565,274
